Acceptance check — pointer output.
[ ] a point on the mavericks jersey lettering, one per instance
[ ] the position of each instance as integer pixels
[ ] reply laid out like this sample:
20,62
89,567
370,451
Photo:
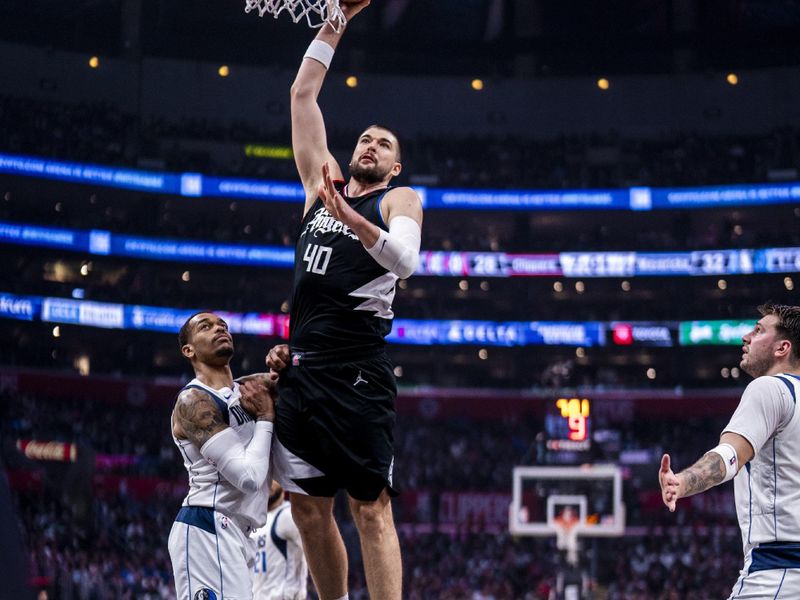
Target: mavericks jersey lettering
342,298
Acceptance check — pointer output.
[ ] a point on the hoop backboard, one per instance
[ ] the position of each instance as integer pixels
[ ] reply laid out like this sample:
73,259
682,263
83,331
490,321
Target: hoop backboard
593,493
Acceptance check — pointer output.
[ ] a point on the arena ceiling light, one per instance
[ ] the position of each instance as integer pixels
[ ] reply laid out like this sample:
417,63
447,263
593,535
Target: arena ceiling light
603,83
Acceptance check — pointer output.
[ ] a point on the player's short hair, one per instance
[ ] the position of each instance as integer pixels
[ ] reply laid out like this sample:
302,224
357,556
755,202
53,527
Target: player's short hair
185,332
398,155
788,325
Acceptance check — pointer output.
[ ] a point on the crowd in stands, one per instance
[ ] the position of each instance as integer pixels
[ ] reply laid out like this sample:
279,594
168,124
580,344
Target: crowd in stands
52,204
117,549
96,133
692,563
105,544
102,133
114,545
113,549
435,455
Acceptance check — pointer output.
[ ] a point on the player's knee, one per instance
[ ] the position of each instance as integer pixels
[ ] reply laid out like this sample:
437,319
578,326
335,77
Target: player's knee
372,518
309,516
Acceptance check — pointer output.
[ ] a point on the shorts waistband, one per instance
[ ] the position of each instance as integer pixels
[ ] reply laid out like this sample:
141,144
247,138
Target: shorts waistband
335,357
775,555
198,516
203,517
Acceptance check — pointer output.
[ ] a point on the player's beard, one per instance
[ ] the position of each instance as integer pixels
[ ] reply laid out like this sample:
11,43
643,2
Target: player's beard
224,352
755,367
368,175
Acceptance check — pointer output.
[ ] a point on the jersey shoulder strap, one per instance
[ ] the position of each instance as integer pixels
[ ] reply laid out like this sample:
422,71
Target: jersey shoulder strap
788,382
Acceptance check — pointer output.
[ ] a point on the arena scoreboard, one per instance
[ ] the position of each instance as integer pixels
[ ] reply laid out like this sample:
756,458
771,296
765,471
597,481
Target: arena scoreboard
568,425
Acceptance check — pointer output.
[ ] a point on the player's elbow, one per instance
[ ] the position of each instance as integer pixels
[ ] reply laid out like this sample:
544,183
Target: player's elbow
407,265
251,480
248,484
302,92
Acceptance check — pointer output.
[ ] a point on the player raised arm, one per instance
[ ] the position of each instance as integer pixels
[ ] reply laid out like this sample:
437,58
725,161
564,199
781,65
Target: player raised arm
396,250
197,418
716,466
309,140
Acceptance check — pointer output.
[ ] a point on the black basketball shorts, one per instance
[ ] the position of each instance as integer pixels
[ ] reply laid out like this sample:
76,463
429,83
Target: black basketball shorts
334,425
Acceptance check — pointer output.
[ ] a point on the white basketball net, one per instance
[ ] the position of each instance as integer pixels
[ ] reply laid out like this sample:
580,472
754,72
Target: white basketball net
316,12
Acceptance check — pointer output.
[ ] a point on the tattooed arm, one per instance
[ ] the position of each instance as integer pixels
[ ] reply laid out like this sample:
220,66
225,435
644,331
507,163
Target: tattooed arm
707,472
197,418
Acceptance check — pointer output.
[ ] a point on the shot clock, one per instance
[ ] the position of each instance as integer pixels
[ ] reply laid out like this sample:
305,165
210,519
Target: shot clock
568,425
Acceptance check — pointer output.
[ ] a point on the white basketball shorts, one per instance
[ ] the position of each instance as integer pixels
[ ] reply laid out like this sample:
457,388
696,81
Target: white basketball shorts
212,558
771,571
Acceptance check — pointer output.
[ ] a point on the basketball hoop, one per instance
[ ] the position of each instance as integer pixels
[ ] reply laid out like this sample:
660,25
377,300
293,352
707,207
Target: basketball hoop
316,12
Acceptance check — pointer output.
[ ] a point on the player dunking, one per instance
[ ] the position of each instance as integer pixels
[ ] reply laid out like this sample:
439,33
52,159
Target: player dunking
223,430
764,436
335,420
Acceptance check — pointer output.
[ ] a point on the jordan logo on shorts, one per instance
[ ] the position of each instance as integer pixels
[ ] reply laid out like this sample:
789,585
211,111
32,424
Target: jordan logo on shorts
359,379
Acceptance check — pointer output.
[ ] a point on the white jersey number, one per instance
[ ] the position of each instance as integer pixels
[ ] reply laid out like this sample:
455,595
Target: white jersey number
261,562
317,258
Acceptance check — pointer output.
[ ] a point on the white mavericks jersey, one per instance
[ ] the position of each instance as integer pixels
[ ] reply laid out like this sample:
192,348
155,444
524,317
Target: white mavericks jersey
206,486
281,572
767,489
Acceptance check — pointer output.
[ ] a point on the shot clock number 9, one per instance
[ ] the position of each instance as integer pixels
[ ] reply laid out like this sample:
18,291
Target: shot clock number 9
576,412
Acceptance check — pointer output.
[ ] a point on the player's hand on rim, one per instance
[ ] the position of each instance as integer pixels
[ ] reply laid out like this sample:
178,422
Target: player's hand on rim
351,9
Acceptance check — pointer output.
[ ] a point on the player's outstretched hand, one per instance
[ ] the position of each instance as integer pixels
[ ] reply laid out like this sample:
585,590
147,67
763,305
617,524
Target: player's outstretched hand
258,397
351,9
278,358
333,201
670,484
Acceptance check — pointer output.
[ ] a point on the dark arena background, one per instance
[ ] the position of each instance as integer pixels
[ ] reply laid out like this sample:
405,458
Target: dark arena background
610,188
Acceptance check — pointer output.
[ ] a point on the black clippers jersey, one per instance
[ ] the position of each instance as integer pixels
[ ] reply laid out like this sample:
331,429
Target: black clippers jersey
342,298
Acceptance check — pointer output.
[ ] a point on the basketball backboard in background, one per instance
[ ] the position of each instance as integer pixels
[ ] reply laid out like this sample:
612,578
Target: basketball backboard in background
590,495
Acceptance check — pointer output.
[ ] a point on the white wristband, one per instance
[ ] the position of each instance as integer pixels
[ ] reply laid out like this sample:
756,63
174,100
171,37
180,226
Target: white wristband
728,454
320,52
